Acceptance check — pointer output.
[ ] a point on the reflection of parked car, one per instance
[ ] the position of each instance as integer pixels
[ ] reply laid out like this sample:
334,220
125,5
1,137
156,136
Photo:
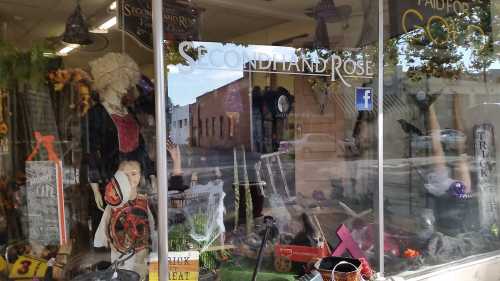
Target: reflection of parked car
449,137
310,143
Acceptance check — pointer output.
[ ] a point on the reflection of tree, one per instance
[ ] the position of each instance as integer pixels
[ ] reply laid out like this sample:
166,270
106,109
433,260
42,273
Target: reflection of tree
173,56
431,59
481,44
447,48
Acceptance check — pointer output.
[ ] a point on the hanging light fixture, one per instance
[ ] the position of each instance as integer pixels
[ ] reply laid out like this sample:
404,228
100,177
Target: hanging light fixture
327,12
77,30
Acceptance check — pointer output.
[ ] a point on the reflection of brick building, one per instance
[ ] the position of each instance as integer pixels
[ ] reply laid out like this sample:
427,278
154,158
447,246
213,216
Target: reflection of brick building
210,113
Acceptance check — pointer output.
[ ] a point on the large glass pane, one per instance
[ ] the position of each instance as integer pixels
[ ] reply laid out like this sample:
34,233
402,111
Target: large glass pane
281,109
441,86
77,172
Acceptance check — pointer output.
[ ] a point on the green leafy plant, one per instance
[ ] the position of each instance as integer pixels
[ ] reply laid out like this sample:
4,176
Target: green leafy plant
19,66
180,240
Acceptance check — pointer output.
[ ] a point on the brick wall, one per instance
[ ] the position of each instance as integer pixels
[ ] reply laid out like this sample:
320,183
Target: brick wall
210,116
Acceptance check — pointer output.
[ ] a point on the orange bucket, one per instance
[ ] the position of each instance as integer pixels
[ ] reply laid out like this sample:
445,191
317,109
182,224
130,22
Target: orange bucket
339,269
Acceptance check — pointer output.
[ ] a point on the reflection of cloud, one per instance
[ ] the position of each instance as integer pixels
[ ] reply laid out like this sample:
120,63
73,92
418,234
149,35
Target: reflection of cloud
173,69
226,75
184,87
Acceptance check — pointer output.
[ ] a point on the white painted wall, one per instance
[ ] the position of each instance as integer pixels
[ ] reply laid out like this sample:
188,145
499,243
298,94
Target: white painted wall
180,133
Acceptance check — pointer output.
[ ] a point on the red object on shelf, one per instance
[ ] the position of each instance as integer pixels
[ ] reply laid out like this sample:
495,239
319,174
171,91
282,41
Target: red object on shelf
284,255
366,270
411,253
303,254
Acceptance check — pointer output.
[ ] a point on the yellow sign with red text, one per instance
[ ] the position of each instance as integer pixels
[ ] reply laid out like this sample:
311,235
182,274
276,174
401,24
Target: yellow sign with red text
182,266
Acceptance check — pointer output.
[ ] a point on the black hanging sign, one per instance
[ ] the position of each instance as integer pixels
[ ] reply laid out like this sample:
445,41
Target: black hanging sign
180,20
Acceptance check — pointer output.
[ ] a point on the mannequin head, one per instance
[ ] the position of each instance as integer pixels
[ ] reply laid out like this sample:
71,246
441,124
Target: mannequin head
114,74
133,171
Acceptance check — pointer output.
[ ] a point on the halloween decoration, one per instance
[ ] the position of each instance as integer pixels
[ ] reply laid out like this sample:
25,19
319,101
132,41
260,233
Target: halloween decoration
78,81
327,12
306,247
485,155
323,92
77,30
111,131
268,221
339,269
127,223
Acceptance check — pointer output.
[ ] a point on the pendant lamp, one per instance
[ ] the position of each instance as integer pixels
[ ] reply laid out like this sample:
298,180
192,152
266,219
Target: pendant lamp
77,30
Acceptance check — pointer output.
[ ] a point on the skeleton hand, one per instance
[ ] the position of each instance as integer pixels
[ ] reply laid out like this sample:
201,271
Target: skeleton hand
175,153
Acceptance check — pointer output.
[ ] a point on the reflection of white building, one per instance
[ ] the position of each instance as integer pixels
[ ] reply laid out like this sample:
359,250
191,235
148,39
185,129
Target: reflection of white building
180,124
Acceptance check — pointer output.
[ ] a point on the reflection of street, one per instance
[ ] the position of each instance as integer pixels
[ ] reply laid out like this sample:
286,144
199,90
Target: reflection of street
322,182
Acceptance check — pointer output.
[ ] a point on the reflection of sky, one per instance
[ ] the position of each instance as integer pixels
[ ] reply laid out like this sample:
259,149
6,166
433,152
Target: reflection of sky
184,87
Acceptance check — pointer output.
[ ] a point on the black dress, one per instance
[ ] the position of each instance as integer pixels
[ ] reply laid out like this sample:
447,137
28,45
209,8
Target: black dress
102,155
101,144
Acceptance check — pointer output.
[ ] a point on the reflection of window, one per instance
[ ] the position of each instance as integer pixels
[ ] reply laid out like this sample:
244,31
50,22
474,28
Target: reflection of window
206,127
180,124
213,126
200,126
185,122
221,121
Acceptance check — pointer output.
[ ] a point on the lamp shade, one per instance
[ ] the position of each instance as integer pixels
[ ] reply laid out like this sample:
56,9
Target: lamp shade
77,30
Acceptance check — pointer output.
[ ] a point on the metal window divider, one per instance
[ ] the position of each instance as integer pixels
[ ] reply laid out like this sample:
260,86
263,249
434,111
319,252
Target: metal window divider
161,138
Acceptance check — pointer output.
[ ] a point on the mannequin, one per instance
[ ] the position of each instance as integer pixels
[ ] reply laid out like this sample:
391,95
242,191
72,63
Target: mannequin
127,223
111,131
440,182
450,186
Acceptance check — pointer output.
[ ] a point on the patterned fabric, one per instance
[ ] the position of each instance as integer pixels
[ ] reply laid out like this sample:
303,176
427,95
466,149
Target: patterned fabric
129,226
128,132
113,195
118,190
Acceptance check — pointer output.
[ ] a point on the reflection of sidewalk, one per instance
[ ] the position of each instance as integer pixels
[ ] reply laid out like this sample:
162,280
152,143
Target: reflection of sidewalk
202,159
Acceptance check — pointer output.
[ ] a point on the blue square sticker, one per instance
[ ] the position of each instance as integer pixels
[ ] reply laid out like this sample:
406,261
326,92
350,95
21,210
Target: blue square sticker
364,99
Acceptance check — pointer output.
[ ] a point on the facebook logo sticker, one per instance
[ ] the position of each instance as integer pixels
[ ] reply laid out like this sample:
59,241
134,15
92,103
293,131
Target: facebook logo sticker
364,99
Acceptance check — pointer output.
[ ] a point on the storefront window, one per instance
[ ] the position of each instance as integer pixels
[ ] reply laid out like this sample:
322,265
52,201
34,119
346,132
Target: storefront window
441,119
278,116
296,155
77,172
